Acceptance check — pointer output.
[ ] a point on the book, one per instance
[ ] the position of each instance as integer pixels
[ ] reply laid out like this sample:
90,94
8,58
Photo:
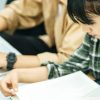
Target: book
75,86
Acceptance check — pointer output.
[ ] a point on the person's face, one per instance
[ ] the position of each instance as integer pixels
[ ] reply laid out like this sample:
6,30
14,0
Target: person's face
93,29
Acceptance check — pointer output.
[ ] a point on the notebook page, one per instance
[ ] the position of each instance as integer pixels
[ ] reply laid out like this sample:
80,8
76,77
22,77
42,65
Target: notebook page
71,87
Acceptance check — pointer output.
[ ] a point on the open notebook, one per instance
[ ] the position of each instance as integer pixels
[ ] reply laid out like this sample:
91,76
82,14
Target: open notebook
76,86
6,47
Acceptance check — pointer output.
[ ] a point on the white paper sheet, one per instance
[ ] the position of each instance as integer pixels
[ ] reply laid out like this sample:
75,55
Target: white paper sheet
69,87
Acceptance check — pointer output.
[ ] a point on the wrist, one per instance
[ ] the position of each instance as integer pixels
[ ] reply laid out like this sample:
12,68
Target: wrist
3,63
15,74
11,59
22,73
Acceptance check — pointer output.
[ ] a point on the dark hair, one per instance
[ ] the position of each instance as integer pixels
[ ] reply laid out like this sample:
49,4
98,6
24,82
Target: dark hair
83,10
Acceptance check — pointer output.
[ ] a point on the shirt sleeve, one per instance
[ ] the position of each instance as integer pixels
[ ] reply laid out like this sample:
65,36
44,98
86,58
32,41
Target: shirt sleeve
78,61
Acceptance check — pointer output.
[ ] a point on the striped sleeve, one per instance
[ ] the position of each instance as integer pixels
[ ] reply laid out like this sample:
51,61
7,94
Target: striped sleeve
78,61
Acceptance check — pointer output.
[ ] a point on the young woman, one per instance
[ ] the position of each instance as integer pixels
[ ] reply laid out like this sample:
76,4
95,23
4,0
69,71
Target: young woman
59,42
87,14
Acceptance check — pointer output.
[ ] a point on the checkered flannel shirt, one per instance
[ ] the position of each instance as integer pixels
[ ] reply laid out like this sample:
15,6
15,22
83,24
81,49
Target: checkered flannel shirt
87,56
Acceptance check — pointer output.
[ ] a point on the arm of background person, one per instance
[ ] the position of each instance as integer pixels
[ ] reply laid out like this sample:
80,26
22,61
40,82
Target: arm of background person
21,14
71,40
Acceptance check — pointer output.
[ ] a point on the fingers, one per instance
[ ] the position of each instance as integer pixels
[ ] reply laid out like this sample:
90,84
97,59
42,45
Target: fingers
5,89
8,85
14,82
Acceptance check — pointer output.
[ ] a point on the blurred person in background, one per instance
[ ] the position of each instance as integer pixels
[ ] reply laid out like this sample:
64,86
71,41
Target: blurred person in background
61,33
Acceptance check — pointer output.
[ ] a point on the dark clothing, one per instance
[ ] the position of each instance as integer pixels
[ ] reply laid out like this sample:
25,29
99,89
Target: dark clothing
34,31
87,56
9,1
27,44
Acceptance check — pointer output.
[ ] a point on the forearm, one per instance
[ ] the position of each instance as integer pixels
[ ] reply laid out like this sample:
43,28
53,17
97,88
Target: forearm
3,24
24,61
19,15
22,76
32,75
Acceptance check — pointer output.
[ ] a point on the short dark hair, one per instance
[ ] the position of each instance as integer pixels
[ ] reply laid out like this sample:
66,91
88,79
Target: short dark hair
83,10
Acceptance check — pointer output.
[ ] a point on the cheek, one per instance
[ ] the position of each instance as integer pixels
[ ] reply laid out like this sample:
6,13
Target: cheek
96,29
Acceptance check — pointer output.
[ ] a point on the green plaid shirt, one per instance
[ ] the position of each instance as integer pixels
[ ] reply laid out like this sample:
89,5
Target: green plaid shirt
87,56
